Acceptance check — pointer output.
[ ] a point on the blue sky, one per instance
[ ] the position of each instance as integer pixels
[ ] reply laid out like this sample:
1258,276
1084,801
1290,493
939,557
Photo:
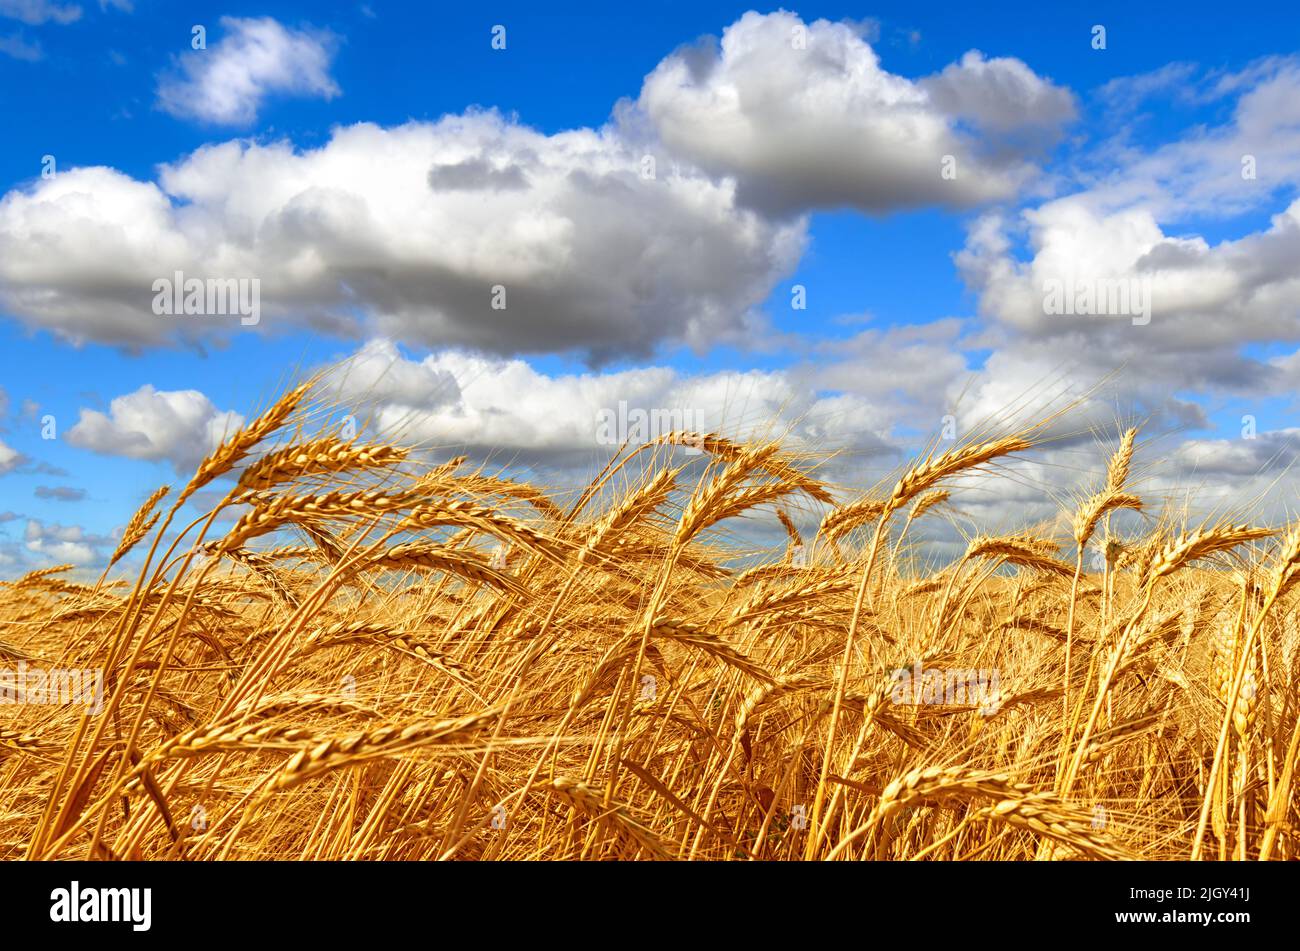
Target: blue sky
920,292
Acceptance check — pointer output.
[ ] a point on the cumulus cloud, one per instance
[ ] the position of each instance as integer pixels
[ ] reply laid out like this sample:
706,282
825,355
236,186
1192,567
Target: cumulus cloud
10,458
379,374
594,256
53,543
1204,317
1001,95
1262,453
924,362
481,232
805,116
838,401
558,426
177,426
257,58
461,402
1202,304
589,256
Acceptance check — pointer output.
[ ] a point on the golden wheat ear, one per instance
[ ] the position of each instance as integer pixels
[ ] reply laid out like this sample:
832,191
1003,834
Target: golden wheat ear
235,449
933,470
142,522
325,456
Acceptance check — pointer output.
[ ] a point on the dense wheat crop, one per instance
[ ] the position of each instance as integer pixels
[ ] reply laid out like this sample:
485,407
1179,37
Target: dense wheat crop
360,656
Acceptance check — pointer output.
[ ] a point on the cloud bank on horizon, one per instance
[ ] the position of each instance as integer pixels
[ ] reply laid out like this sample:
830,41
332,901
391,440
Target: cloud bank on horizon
494,284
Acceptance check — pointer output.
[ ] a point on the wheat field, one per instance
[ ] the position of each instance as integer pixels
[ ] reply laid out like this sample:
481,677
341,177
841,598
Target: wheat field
358,656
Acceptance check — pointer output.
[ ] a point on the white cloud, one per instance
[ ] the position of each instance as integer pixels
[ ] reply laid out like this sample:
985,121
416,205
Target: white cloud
1265,452
1224,314
591,255
1205,172
824,125
378,374
18,48
1124,94
36,12
59,544
924,361
594,255
596,259
515,413
562,426
10,458
1207,302
228,83
179,426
